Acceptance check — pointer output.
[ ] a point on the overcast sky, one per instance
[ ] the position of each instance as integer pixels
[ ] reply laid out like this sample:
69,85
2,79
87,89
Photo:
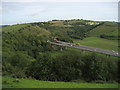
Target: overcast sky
17,11
60,0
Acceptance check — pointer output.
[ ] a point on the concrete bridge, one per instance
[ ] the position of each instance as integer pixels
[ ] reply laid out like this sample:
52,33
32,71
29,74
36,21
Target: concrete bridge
86,48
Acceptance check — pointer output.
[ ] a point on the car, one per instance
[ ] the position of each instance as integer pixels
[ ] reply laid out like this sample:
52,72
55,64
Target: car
48,41
77,44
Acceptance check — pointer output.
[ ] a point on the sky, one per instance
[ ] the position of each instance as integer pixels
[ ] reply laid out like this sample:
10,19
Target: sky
16,12
60,0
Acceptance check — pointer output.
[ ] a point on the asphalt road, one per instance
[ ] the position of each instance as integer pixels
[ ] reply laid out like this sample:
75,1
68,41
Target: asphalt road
86,48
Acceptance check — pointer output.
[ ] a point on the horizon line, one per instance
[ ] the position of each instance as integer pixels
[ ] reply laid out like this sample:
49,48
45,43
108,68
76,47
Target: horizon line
63,20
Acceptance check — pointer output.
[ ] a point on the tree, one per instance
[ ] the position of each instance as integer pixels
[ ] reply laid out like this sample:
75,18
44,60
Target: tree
18,64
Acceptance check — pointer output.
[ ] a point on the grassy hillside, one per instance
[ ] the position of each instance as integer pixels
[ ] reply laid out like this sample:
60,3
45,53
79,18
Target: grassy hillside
26,53
99,43
29,83
108,28
67,28
12,28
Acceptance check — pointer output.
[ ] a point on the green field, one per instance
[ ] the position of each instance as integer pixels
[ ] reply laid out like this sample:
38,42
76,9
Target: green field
25,83
99,43
108,28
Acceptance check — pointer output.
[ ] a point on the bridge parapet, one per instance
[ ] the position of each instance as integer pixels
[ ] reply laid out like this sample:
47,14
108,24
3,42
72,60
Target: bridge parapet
87,48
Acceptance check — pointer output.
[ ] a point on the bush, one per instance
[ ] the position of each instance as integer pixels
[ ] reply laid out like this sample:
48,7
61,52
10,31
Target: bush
62,68
68,66
17,64
99,68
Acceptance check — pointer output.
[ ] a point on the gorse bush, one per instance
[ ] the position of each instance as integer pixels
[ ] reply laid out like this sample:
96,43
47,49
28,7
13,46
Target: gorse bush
99,68
17,64
69,66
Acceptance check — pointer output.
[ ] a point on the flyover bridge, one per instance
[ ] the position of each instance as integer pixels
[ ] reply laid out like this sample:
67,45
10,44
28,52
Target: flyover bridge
86,48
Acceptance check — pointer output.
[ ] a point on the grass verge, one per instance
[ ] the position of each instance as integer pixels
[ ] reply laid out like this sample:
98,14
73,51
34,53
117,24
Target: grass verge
9,82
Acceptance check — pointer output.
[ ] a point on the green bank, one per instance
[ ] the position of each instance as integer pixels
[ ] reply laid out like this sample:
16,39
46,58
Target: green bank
9,82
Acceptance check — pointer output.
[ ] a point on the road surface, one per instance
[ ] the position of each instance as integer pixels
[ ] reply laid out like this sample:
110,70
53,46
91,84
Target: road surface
87,48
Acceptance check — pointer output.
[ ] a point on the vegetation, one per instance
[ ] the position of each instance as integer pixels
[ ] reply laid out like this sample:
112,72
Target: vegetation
64,67
99,43
27,54
109,30
9,82
68,28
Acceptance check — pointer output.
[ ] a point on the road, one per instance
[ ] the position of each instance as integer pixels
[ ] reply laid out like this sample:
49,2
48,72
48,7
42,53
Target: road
86,48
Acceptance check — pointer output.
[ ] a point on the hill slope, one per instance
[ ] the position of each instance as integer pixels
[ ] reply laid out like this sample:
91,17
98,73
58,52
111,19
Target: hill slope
26,52
69,30
108,29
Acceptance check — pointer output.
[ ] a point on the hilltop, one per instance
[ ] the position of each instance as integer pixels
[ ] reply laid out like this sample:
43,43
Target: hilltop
76,28
71,31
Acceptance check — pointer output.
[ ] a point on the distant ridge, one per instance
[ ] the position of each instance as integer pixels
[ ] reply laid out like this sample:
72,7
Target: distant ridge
4,25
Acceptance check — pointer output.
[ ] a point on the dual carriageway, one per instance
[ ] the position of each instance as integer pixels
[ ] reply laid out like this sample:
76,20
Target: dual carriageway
86,48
